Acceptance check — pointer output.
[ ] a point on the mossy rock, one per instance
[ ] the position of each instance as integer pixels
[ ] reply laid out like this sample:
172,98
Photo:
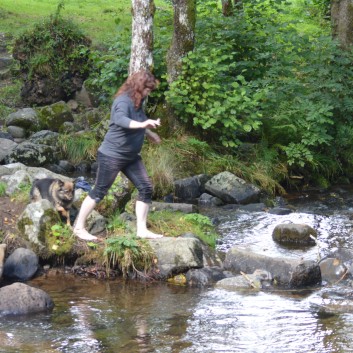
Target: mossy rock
52,117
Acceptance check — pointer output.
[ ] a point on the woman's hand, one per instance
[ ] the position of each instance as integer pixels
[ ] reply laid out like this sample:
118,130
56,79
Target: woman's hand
153,137
151,124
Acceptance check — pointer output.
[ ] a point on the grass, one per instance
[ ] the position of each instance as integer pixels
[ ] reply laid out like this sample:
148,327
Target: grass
101,20
173,224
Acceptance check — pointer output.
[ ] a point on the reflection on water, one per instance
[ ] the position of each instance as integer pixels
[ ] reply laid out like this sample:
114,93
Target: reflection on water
116,316
104,316
120,317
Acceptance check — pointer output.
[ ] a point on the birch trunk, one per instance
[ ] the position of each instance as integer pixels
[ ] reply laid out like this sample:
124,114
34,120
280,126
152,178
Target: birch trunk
142,35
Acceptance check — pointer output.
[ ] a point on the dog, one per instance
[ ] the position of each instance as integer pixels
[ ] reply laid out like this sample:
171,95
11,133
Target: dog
59,193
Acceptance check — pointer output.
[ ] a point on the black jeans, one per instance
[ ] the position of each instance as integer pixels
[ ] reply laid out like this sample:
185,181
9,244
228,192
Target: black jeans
108,169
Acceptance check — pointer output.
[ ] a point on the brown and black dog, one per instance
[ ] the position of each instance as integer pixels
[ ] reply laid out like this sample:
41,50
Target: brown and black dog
59,193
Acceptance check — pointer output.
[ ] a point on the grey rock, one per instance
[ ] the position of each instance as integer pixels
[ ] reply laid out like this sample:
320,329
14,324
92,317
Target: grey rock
207,200
231,189
205,276
45,137
21,299
6,147
177,255
293,233
26,118
288,273
17,132
22,264
32,154
189,189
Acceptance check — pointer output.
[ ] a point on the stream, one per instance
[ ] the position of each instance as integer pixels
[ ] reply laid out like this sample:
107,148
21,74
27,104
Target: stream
92,315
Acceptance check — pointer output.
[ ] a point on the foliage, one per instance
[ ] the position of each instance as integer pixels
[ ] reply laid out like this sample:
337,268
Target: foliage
79,147
132,255
109,69
116,225
60,240
55,48
255,78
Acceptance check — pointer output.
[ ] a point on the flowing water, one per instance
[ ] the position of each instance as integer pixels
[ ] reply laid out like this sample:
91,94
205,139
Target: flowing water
115,316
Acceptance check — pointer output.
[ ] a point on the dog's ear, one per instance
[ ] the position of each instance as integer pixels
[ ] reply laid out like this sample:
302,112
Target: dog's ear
61,183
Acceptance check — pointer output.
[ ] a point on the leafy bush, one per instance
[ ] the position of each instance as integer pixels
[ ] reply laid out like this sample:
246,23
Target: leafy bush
55,51
255,79
109,69
133,256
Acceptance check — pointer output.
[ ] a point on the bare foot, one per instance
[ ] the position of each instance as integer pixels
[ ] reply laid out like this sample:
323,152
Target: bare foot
149,235
84,235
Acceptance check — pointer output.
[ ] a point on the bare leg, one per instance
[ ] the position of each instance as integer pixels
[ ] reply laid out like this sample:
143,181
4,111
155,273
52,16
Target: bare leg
87,207
141,223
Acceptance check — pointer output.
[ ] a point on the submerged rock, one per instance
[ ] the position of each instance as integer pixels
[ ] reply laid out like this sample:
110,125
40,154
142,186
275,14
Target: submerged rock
20,299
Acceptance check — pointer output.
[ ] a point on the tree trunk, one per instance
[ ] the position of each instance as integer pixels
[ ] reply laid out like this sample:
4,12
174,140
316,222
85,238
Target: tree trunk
227,8
183,36
142,35
342,21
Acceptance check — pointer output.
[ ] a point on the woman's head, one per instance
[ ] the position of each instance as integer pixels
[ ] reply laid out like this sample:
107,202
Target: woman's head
138,86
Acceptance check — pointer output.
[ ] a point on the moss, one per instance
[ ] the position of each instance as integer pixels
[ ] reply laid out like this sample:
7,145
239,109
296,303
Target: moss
22,223
54,116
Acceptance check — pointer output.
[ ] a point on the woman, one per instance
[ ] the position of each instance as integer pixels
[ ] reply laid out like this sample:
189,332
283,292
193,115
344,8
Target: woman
120,151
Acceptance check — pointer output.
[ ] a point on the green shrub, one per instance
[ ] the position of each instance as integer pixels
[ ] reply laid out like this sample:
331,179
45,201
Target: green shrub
134,257
55,50
255,79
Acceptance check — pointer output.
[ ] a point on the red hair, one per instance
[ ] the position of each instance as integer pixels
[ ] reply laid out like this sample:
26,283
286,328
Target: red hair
136,84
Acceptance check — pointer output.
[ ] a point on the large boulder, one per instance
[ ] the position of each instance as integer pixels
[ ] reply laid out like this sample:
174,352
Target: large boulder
35,221
45,137
21,265
231,189
26,118
14,181
35,155
52,117
6,147
286,272
20,299
177,255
